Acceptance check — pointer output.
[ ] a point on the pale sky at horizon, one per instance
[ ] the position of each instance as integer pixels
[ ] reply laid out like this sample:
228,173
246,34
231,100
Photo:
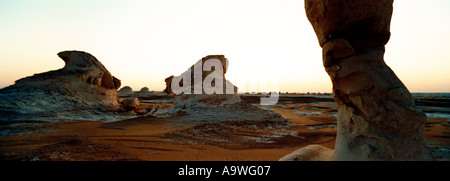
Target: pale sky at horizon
143,42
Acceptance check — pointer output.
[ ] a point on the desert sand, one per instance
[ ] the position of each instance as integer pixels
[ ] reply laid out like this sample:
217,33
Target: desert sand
149,138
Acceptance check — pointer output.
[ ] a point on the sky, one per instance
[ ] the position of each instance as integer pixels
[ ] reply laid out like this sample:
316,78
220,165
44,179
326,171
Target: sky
142,42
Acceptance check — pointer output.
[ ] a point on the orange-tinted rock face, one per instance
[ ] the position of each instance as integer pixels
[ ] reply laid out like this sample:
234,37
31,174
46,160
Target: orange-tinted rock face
377,119
96,72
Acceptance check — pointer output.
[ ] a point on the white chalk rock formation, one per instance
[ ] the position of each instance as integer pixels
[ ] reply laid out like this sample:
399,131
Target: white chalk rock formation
222,105
83,87
377,118
130,104
310,153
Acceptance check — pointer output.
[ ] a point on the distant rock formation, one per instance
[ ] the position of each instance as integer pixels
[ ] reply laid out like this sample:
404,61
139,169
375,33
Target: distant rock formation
126,88
377,118
225,106
144,89
83,85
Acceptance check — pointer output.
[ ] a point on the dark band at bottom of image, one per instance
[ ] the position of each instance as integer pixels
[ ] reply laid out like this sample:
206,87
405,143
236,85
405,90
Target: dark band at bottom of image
226,169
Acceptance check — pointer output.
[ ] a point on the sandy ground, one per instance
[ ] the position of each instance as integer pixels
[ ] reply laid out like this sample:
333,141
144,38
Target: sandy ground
152,139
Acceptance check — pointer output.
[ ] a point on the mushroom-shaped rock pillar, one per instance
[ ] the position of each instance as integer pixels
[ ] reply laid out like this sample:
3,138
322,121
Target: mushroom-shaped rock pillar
377,118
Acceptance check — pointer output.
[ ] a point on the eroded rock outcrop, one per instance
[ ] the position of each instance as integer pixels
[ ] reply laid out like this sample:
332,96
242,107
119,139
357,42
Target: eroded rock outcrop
377,118
83,85
199,105
186,101
126,89
144,89
129,104
310,153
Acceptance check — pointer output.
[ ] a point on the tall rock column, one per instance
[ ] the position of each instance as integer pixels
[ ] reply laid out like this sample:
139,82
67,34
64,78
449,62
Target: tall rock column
377,118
